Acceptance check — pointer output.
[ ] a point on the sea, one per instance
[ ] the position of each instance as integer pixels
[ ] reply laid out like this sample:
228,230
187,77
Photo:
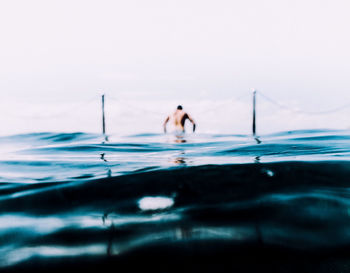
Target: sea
164,203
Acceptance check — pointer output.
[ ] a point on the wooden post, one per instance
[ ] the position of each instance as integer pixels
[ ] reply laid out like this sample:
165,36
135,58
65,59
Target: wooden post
254,112
103,116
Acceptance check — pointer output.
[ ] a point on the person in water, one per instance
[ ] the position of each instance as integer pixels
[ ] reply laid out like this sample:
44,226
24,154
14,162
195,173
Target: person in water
178,119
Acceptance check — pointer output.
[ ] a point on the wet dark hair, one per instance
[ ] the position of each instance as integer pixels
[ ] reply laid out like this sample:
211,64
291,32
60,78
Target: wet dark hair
179,107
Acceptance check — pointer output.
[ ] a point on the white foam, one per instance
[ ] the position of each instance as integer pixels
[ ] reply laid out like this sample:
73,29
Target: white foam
155,203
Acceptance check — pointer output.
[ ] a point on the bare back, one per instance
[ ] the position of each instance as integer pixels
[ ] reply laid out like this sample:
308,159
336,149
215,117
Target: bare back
178,119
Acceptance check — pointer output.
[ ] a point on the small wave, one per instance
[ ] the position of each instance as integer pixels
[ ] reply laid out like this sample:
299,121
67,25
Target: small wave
99,148
280,150
144,135
306,132
62,137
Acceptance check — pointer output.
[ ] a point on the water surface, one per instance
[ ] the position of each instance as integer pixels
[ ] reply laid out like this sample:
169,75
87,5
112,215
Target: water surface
211,202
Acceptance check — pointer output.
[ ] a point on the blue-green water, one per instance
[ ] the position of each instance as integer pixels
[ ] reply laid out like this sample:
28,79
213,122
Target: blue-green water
208,202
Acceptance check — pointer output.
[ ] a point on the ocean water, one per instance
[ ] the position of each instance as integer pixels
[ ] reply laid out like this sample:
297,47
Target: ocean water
196,203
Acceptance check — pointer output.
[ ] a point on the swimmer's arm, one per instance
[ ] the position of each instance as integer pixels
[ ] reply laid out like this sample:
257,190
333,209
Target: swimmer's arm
192,121
164,124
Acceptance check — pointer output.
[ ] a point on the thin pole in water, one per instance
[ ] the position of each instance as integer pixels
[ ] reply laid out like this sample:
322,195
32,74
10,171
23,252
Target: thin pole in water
254,112
103,116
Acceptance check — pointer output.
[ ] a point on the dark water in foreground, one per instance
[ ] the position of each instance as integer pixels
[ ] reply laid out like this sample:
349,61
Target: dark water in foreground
215,203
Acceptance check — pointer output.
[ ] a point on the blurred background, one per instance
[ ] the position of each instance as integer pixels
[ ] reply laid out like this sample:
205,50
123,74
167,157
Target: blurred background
59,57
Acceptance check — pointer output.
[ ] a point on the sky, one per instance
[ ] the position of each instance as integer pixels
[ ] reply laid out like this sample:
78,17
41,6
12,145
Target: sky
58,57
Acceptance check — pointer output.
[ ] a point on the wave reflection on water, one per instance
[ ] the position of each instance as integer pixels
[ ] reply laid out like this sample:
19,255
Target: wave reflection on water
72,200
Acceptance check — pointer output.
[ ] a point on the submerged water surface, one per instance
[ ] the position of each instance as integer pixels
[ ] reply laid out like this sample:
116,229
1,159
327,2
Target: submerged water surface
72,200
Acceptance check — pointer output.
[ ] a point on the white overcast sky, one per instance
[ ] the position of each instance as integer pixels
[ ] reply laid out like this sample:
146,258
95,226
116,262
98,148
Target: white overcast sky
295,51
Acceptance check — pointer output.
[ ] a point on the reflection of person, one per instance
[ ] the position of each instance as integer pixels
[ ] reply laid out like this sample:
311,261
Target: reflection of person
178,119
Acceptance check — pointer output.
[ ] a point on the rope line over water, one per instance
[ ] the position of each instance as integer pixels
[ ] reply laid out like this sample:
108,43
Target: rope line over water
137,110
67,111
237,99
228,102
283,106
122,102
209,109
